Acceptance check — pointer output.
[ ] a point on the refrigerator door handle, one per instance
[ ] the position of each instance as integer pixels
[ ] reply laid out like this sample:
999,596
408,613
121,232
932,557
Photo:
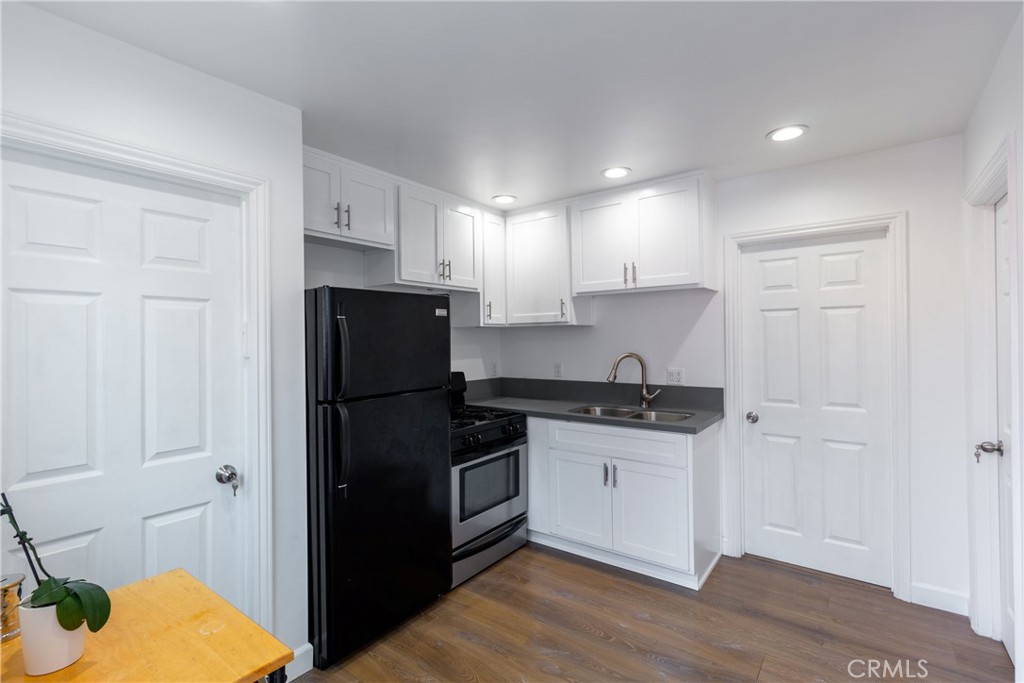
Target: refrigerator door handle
344,353
344,450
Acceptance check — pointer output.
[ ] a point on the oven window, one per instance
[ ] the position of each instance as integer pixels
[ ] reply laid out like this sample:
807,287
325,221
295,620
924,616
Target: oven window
487,484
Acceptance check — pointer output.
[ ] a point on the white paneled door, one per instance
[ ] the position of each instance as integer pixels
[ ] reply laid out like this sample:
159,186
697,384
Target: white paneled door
123,374
816,389
1005,431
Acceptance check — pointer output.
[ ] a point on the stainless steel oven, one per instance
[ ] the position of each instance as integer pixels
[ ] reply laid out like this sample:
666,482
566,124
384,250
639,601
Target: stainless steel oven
489,499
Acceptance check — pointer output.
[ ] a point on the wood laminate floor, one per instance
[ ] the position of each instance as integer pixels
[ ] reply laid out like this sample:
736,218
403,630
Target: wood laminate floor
543,615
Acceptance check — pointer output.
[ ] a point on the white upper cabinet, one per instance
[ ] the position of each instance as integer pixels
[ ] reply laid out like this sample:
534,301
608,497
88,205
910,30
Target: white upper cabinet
601,231
440,244
647,237
345,203
493,300
421,236
537,275
463,245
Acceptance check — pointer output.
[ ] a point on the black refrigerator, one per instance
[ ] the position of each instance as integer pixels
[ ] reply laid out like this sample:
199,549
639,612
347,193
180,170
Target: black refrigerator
377,375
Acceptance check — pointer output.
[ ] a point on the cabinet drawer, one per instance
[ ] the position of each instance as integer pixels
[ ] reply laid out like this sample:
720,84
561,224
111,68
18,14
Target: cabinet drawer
642,445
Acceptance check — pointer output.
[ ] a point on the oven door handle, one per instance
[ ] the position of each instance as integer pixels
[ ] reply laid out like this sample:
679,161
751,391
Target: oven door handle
476,455
489,540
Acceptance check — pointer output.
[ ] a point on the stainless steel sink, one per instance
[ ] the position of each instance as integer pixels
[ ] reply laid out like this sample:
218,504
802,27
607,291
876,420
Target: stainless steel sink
604,411
659,416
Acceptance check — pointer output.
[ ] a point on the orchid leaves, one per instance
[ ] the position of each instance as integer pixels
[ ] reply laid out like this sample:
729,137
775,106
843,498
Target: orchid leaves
76,601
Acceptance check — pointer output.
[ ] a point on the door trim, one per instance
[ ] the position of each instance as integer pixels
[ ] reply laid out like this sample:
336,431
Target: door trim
43,138
894,227
1000,176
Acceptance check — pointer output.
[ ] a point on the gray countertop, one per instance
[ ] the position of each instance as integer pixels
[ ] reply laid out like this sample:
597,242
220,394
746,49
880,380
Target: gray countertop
559,410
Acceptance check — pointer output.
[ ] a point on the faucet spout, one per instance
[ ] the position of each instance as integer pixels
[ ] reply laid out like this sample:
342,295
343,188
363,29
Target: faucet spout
645,397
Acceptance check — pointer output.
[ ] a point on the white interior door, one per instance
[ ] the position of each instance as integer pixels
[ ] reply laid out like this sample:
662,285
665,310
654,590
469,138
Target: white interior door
816,374
1005,431
123,374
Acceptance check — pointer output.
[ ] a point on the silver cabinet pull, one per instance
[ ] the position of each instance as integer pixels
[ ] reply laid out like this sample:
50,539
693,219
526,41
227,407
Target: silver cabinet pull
988,447
753,417
625,279
348,219
634,272
448,270
615,476
227,474
562,304
440,269
606,474
337,214
488,310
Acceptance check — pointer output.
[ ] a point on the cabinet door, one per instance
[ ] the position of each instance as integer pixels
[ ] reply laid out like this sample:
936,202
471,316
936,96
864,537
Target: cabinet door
538,263
580,497
650,505
603,233
668,234
494,270
463,245
320,194
368,207
420,235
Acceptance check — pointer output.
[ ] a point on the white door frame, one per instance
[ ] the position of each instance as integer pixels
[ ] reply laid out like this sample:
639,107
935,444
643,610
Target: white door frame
894,227
42,138
1001,176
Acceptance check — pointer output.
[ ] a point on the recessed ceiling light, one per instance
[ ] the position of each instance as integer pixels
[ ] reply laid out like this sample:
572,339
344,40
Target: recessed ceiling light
504,198
787,133
615,172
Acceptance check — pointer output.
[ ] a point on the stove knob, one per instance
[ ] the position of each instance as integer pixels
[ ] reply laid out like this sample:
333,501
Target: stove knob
506,430
467,440
516,429
477,439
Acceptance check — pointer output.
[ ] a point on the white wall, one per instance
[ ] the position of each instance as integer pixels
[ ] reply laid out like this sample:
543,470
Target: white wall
333,266
681,329
66,75
1000,110
476,351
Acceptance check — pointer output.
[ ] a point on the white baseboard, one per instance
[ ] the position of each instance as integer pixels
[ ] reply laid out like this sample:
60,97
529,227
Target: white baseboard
940,598
302,663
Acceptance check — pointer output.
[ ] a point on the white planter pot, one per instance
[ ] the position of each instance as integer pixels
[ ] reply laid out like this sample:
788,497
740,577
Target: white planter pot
45,645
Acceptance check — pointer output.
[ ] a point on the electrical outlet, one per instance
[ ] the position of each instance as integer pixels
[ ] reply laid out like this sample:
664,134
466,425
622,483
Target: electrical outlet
493,369
558,368
675,376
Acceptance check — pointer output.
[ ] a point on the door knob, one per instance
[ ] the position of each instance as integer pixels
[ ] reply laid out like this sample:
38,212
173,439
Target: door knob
988,447
753,417
226,474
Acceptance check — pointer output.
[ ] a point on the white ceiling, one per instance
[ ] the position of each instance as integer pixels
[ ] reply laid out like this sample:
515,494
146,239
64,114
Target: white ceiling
534,99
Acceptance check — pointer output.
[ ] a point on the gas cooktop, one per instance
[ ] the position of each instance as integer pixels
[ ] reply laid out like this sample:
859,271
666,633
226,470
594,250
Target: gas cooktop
475,428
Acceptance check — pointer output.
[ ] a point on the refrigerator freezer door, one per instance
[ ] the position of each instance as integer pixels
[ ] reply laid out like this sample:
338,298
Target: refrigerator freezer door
377,343
386,528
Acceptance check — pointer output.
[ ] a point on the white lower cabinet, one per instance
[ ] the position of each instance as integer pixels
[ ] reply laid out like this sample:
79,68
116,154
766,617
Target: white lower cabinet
650,513
581,502
640,499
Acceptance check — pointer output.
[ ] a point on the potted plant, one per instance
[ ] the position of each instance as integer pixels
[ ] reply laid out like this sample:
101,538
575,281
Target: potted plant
53,617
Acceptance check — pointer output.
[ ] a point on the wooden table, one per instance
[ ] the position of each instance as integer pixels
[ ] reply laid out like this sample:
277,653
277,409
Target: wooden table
167,628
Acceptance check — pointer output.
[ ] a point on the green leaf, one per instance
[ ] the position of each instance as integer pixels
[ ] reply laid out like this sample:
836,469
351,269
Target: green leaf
95,603
50,592
70,613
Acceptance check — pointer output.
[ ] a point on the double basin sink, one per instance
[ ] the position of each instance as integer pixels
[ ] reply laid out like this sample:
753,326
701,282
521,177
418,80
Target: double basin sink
633,413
